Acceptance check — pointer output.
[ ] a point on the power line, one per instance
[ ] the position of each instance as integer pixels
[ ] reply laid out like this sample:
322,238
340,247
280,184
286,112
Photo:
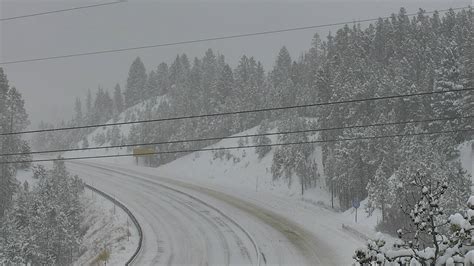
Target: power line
238,136
242,147
207,39
238,112
60,10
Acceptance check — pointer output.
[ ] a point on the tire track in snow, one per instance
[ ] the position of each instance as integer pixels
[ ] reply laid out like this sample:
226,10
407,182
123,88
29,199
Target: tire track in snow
159,212
217,219
312,248
144,225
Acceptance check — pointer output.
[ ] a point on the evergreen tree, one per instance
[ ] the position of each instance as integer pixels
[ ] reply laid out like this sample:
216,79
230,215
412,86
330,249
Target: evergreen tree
224,87
89,101
152,86
281,84
295,160
449,78
118,99
432,236
261,150
162,75
378,188
136,83
78,117
13,118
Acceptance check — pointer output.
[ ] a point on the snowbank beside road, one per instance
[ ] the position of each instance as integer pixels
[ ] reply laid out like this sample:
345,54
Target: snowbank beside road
108,229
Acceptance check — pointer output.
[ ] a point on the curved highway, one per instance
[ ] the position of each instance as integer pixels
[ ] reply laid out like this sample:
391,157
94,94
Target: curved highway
189,224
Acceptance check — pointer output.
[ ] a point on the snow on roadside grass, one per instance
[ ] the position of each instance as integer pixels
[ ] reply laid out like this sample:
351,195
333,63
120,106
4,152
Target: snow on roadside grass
242,173
107,229
241,168
133,113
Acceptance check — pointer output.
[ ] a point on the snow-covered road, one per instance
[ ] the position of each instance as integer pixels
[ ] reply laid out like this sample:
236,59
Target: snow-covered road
188,224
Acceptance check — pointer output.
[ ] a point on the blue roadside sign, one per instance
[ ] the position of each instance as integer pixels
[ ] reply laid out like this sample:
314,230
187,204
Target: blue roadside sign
356,203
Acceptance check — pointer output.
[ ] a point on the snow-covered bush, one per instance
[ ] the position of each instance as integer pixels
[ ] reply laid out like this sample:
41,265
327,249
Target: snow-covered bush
431,238
393,187
261,141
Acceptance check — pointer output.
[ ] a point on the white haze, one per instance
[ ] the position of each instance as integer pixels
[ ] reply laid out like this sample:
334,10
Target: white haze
49,87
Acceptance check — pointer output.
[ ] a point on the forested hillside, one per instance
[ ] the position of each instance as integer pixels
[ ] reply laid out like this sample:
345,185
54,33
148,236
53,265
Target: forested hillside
398,55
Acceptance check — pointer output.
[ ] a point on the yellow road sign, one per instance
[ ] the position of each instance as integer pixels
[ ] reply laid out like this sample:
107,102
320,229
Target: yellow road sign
141,151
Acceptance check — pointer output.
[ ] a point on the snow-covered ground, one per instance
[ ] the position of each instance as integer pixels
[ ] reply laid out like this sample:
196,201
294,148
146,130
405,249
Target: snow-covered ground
131,114
178,228
108,228
241,174
240,169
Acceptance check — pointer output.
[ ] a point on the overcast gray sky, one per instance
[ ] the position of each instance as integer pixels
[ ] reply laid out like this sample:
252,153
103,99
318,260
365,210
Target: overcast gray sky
49,87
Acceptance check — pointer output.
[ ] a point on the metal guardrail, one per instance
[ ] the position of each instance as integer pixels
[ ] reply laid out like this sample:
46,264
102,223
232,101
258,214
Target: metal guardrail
132,217
355,232
254,243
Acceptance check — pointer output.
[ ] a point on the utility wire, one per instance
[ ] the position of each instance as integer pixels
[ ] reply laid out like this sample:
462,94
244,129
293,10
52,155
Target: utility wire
238,112
242,147
60,10
239,136
207,39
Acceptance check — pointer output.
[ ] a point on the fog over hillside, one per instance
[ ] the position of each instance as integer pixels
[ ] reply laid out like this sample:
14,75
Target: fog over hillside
158,21
237,133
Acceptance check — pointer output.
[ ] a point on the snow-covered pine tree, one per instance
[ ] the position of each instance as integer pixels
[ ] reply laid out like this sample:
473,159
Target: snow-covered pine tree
434,157
151,86
136,83
118,100
290,161
162,75
221,98
261,150
13,118
432,237
78,116
115,137
89,103
282,91
378,188
449,77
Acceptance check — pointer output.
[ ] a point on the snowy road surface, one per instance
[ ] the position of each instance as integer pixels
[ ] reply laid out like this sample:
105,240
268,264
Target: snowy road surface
189,224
